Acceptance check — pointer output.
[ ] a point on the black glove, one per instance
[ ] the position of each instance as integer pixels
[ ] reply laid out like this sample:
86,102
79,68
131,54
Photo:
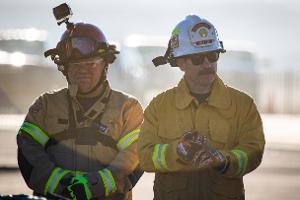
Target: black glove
79,188
135,176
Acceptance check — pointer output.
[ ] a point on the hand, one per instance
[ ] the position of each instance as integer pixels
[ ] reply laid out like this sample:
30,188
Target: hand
135,176
193,148
208,156
65,182
79,188
123,185
190,143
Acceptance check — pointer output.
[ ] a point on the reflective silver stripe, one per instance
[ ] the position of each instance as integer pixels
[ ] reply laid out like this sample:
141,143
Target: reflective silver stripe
242,159
54,179
159,157
108,181
35,132
128,139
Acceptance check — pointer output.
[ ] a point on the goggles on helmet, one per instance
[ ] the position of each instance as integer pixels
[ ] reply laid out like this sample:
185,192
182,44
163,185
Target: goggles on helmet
86,46
77,48
73,49
198,59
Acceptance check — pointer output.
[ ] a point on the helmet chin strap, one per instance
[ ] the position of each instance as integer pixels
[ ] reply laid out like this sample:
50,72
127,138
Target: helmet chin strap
73,88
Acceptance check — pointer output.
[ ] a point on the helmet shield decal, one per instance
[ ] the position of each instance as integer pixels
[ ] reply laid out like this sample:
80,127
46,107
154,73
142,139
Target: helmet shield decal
202,35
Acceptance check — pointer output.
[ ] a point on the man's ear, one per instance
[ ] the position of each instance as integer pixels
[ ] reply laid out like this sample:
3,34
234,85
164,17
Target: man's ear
105,70
180,62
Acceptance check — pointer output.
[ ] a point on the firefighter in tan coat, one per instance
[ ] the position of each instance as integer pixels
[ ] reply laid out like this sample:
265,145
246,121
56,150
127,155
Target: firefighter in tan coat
80,142
201,137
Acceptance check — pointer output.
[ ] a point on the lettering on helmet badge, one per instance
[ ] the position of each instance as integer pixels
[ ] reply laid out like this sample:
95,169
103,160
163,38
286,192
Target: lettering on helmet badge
202,35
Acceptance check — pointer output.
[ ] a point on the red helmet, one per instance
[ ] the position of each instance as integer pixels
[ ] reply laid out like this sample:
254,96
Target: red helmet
81,42
85,30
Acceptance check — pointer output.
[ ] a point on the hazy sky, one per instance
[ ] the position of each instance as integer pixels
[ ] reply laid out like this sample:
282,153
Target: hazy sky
271,24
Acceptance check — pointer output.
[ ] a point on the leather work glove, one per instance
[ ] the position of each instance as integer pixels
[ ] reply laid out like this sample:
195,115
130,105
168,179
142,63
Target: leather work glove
195,150
79,188
190,143
207,156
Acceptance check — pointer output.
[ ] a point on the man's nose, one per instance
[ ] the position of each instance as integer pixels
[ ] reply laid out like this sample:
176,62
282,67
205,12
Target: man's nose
206,63
84,67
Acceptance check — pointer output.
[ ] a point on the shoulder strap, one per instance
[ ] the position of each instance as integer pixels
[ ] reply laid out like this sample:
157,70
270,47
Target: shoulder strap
99,106
85,134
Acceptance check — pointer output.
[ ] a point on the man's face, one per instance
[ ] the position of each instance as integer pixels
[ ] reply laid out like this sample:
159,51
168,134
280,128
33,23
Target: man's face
200,69
86,74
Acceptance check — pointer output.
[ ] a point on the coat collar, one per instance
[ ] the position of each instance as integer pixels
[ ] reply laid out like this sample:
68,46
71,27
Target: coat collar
219,96
97,108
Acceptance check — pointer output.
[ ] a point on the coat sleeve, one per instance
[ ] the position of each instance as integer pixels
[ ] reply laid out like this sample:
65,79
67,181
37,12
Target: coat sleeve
247,154
127,160
39,172
115,177
155,154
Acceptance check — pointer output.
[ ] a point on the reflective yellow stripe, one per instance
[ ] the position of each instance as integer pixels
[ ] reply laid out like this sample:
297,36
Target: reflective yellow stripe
159,157
128,139
104,182
54,179
34,131
163,157
155,155
108,181
242,160
111,180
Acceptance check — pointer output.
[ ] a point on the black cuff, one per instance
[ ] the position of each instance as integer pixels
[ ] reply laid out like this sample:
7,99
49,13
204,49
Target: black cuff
224,166
96,184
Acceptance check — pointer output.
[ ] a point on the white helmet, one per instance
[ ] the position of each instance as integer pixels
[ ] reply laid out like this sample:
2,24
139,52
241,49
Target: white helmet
194,35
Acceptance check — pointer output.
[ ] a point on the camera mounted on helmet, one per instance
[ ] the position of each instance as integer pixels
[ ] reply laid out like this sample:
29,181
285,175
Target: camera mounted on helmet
80,41
62,14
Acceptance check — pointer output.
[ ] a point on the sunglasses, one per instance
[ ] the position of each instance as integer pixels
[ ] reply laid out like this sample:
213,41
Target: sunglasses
198,59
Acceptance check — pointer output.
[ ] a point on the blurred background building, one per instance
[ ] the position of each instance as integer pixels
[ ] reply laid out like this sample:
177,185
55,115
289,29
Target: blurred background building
262,42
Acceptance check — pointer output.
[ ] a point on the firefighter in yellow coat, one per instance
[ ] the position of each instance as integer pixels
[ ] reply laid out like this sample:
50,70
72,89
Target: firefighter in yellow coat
80,142
201,137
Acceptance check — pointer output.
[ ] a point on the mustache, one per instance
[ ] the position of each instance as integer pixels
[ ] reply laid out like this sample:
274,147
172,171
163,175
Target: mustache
207,71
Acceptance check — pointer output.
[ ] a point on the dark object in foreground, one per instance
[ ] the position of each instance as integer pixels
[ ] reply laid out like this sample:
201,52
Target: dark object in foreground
20,197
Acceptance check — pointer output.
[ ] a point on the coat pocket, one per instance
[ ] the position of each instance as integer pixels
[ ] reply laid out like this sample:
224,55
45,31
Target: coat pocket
219,130
223,188
169,182
173,128
56,124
